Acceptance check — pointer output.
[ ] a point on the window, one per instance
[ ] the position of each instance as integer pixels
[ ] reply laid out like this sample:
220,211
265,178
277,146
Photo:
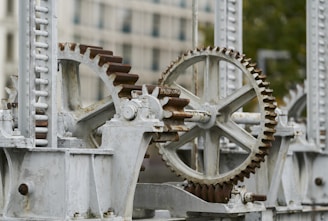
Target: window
182,29
127,20
10,7
101,15
10,47
127,53
183,3
155,61
77,12
208,7
156,25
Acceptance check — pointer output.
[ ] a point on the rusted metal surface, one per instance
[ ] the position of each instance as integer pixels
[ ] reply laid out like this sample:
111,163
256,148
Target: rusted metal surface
117,67
257,197
125,78
103,59
211,193
99,51
84,47
41,123
173,101
127,89
163,137
167,91
177,114
23,189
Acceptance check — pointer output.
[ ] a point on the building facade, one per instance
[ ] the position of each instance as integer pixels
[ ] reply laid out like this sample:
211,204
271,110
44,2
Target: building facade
148,34
8,43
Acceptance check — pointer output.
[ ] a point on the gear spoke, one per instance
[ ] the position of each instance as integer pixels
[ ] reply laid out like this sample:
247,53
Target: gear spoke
184,138
211,153
71,85
237,99
93,116
194,100
108,68
238,135
211,75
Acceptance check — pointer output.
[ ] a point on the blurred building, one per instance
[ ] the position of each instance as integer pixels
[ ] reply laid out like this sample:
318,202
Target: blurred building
148,34
8,42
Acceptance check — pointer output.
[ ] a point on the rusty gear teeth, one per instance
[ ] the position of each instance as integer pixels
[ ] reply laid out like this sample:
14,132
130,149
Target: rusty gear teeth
211,193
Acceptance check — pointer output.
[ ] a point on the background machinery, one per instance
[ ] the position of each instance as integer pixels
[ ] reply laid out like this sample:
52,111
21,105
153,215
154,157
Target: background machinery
60,160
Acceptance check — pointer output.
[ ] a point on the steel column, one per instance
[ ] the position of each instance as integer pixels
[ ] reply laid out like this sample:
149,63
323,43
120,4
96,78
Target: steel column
37,75
25,98
228,33
317,71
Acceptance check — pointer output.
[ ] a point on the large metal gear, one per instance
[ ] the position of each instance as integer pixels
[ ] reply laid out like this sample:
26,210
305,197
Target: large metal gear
81,121
109,68
222,116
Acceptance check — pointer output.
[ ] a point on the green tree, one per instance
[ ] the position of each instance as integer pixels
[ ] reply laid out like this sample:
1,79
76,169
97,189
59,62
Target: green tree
277,25
274,25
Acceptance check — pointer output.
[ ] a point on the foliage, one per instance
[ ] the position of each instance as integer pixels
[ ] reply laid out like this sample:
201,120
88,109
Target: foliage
275,25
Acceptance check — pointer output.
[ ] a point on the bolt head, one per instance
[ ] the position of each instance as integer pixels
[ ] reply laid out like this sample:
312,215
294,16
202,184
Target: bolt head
23,189
129,112
319,181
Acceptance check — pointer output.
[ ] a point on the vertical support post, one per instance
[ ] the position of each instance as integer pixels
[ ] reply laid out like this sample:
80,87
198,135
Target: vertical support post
228,33
52,75
317,57
195,41
37,72
194,150
25,98
194,23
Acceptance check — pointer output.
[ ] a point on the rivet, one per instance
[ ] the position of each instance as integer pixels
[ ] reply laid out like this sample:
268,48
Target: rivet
23,189
319,181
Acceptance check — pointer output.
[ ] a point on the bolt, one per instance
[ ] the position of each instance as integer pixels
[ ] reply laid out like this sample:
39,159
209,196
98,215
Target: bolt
319,181
251,197
129,112
23,189
258,197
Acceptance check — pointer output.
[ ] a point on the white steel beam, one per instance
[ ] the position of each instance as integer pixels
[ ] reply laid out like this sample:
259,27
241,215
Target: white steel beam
228,33
317,60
